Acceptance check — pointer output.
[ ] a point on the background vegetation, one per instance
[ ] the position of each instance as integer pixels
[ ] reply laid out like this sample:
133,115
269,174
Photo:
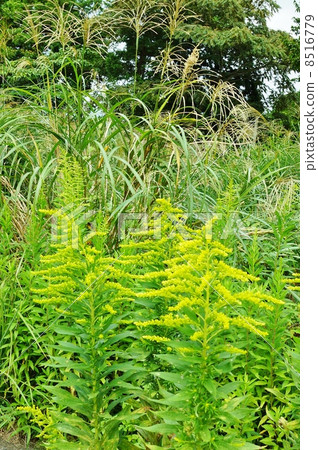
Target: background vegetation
185,334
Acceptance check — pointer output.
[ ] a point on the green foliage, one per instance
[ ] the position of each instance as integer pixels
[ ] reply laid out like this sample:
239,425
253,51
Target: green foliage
21,350
148,346
193,313
186,333
286,110
80,298
232,35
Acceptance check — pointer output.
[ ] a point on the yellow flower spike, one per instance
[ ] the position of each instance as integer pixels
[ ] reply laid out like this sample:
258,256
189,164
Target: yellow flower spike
81,321
47,301
109,309
185,350
196,336
49,212
63,312
291,280
44,421
90,278
218,245
126,321
231,349
294,288
218,252
156,338
226,294
271,299
90,259
168,321
222,319
250,324
238,274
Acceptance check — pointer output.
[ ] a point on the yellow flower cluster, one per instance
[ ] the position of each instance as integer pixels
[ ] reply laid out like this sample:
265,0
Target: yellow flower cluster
196,336
257,297
250,324
81,321
222,247
48,300
44,421
63,312
109,309
38,417
271,299
185,350
156,338
218,252
252,297
226,294
90,259
231,349
187,302
49,212
194,284
167,320
222,319
227,271
150,275
141,259
92,250
62,268
119,288
90,278
64,287
164,205
293,281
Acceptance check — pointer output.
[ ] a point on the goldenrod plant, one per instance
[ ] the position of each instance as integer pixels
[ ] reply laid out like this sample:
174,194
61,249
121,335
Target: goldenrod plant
165,309
189,322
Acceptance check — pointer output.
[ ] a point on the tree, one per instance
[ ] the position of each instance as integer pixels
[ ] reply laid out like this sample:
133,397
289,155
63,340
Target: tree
36,38
238,44
233,37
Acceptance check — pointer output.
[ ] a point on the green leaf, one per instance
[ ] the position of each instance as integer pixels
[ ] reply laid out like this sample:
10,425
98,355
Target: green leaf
221,444
233,403
205,434
176,400
224,366
277,394
75,431
176,378
174,416
224,391
62,362
67,331
162,428
68,347
211,386
66,399
179,362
